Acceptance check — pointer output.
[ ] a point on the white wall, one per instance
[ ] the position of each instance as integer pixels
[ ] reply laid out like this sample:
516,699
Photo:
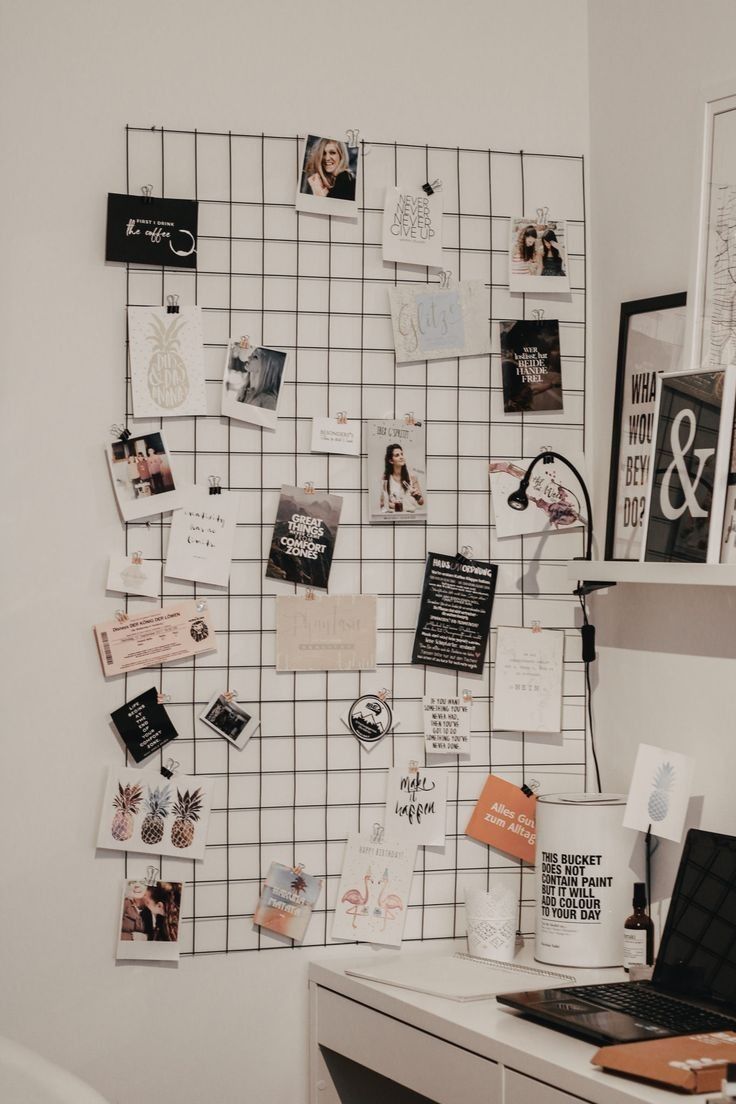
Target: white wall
667,663
73,74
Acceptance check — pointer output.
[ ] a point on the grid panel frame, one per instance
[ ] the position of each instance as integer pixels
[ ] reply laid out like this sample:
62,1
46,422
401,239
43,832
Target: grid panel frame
316,286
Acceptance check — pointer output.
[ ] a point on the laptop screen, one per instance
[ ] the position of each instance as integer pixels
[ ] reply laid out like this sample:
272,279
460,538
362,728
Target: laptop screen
698,953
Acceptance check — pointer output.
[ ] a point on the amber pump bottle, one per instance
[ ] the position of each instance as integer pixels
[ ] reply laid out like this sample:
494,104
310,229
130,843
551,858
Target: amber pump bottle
638,932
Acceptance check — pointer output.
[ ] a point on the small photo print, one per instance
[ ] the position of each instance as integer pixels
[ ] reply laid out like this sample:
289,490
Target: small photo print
286,903
229,719
150,921
329,177
142,476
304,535
538,256
252,383
397,464
531,366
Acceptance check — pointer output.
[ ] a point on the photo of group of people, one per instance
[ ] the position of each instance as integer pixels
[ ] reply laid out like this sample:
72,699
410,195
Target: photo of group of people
149,922
252,383
141,470
328,179
228,719
538,254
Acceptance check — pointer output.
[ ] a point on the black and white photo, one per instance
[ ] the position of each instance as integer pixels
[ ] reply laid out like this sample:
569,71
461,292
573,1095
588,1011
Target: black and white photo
228,718
251,385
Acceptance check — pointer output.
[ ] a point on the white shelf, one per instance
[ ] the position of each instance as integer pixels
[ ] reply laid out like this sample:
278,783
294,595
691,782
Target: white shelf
632,571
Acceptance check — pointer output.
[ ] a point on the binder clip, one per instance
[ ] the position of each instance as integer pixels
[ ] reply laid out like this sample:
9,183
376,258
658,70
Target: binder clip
152,876
170,769
163,699
377,833
120,433
245,342
172,304
413,766
542,215
214,482
136,557
342,418
147,193
383,694
309,596
309,488
352,137
409,419
445,277
468,697
466,551
536,627
121,615
230,695
201,605
297,868
538,314
527,790
430,189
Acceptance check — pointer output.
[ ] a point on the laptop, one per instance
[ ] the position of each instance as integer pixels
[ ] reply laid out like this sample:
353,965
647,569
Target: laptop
693,987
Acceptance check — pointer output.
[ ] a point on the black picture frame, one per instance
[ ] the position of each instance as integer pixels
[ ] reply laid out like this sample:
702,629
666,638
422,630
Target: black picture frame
625,368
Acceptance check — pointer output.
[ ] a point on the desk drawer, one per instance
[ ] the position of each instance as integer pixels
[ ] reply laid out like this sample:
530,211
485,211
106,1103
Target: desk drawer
519,1089
441,1071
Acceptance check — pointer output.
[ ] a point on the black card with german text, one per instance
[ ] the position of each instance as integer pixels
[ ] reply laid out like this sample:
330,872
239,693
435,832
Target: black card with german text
151,231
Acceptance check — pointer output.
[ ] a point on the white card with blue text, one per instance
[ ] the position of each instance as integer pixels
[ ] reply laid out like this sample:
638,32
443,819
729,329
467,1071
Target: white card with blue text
431,322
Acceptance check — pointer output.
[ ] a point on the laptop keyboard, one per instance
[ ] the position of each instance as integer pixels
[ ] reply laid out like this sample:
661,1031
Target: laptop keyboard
646,1003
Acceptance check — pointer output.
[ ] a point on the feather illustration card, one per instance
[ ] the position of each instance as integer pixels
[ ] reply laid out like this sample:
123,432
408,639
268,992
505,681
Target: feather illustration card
434,323
659,792
446,725
304,535
416,805
556,502
202,536
149,921
527,688
166,362
144,811
373,894
288,897
412,227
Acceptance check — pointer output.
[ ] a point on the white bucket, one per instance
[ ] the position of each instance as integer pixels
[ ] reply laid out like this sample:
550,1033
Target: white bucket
584,880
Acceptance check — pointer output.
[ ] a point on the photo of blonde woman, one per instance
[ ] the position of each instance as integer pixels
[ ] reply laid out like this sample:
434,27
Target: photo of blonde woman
329,176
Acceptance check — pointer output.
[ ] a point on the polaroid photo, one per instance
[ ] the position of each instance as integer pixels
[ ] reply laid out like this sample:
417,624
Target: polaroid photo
397,466
166,362
150,921
134,575
251,385
228,718
142,476
538,256
412,227
328,180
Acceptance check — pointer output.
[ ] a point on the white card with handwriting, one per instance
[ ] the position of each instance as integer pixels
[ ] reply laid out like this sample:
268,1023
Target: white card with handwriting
412,227
202,537
331,435
527,688
416,805
446,725
659,792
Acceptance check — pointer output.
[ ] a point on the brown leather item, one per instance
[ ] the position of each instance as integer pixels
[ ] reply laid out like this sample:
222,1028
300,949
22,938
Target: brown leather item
687,1063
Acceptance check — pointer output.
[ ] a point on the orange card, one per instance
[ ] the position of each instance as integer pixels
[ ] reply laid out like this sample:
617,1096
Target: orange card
505,818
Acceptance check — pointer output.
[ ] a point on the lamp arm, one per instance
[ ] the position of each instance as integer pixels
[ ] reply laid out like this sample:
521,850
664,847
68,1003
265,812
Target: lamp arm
544,457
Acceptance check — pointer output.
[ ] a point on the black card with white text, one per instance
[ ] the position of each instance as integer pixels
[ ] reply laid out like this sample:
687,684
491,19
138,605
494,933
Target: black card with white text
144,725
304,537
151,231
455,614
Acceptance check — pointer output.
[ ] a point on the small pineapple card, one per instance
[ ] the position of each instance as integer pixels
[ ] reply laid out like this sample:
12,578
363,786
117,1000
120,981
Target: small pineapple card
373,894
144,725
659,792
288,898
166,362
144,811
202,537
150,917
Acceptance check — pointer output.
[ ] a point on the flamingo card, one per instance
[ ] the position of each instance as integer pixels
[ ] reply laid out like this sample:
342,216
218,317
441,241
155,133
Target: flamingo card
659,792
373,895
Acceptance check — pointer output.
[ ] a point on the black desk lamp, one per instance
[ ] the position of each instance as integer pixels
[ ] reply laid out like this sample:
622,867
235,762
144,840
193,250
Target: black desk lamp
519,500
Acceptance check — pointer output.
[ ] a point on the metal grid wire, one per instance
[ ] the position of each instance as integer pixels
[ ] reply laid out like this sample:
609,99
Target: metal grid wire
315,287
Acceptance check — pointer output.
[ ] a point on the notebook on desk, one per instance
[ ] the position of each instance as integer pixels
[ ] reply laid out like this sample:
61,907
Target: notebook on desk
693,988
458,977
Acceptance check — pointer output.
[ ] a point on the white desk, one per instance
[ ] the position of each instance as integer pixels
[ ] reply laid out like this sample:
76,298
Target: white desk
450,1051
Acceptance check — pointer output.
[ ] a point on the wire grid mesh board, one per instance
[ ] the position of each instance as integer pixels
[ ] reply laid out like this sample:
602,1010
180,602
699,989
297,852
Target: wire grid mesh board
316,287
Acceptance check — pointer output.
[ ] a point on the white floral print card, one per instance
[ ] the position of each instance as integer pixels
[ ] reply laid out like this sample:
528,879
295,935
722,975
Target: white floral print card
416,805
202,536
166,362
134,575
660,792
147,812
433,323
447,724
412,227
150,916
373,894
